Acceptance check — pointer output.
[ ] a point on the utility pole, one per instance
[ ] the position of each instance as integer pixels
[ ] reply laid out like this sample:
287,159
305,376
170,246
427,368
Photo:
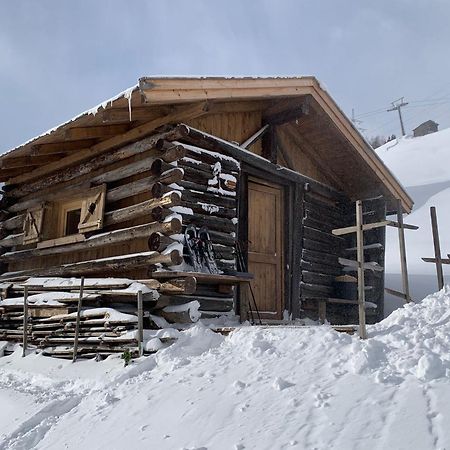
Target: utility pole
397,106
357,122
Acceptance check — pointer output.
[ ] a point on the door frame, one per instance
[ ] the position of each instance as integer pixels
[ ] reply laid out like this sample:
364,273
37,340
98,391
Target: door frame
291,233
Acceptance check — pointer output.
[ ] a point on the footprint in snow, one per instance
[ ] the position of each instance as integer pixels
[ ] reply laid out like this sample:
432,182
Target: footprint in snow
239,385
279,384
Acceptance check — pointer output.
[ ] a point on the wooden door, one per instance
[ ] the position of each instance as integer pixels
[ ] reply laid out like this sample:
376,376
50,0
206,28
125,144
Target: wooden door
265,247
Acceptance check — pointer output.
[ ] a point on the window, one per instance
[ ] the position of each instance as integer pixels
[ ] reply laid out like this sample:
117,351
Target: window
72,221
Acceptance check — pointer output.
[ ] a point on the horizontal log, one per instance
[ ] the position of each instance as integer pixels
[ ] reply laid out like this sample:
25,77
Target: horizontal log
13,223
158,242
320,268
309,290
214,223
320,236
206,303
317,278
97,162
320,258
209,209
208,198
140,209
185,285
98,240
320,247
11,240
189,185
150,164
144,185
117,264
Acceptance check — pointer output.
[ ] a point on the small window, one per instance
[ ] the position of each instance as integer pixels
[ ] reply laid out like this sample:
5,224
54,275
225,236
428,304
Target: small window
72,221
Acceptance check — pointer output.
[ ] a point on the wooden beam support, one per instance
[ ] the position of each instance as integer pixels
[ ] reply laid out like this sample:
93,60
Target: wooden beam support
61,147
402,245
94,132
27,161
360,260
255,137
437,247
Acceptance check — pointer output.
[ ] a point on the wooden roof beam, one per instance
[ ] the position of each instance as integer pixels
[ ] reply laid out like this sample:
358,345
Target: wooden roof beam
61,147
27,161
144,113
287,111
94,132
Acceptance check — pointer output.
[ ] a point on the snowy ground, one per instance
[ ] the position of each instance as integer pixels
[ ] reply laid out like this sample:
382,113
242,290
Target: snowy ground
258,388
422,165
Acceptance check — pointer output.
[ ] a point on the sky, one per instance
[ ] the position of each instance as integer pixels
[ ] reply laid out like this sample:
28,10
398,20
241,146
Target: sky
59,58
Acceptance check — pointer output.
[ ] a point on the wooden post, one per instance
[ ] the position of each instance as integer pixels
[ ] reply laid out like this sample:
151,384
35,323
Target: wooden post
77,326
25,320
403,261
360,259
437,248
140,323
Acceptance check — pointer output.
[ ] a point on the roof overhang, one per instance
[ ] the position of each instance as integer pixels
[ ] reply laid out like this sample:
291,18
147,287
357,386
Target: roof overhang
91,131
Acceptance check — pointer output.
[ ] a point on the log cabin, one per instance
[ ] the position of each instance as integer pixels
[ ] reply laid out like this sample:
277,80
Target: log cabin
237,182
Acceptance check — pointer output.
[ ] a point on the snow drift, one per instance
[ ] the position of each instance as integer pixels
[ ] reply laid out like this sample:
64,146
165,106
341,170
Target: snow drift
259,388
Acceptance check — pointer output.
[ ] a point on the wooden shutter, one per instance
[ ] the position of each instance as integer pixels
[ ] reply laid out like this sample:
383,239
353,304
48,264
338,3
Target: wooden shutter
92,210
32,227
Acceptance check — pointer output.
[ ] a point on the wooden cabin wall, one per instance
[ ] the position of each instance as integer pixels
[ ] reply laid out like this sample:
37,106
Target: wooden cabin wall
322,293
232,126
198,174
293,157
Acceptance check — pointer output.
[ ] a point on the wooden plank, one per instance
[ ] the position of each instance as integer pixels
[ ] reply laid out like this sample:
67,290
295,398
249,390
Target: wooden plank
437,247
360,259
25,321
367,265
77,326
255,137
365,227
62,147
435,260
27,161
402,245
93,132
206,278
397,294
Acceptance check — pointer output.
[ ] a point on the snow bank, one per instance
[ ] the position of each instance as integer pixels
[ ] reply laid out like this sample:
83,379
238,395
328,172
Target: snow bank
418,161
259,388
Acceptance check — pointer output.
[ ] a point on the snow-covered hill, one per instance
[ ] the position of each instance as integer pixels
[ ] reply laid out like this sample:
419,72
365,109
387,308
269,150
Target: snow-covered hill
259,388
422,165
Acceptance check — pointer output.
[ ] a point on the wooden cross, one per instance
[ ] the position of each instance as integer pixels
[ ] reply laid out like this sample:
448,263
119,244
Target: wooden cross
359,229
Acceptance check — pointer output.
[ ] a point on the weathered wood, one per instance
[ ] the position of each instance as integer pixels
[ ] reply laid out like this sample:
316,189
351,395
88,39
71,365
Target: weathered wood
158,242
219,145
206,278
98,240
13,223
140,311
140,209
28,161
77,326
12,240
208,198
94,132
186,285
255,137
402,245
437,248
94,162
360,259
116,264
368,265
25,321
212,222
